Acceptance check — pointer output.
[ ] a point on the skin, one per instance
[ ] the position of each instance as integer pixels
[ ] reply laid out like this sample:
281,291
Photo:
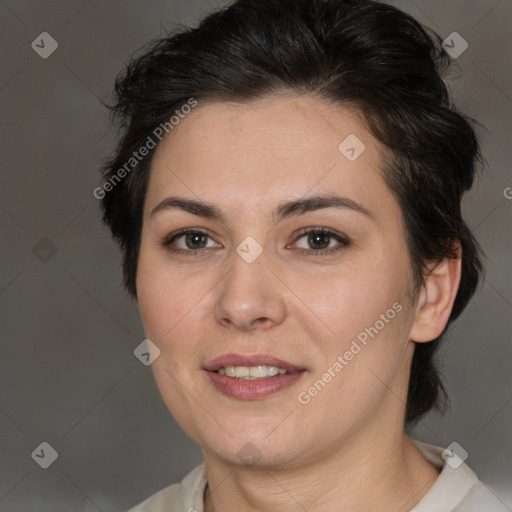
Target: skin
346,449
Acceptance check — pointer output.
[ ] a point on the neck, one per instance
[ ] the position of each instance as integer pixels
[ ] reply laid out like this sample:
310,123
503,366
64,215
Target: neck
388,474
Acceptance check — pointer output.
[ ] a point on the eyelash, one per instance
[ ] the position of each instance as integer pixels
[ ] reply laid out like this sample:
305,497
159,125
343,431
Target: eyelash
343,241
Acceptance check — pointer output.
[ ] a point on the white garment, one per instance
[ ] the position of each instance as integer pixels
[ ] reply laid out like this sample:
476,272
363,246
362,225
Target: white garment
455,490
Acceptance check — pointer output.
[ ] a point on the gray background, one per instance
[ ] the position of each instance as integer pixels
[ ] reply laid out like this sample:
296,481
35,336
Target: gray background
68,375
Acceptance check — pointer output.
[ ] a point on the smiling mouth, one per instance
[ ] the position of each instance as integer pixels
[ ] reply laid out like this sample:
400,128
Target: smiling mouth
252,377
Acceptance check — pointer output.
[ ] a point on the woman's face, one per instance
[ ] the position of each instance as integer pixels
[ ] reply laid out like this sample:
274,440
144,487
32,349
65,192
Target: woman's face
251,289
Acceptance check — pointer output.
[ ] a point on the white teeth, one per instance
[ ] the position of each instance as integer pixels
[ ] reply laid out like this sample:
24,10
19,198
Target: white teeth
242,371
251,373
257,371
273,370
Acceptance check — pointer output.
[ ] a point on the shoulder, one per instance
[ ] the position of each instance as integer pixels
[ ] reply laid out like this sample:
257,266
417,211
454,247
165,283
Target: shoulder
183,496
160,501
481,498
457,489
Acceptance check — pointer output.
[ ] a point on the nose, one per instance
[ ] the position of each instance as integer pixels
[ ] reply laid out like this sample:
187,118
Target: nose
250,296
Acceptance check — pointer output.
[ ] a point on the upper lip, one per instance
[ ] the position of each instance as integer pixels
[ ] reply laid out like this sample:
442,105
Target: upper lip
226,360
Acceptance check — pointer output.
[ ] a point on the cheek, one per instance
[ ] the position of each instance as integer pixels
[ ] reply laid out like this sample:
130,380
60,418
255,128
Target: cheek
353,299
367,311
174,308
161,299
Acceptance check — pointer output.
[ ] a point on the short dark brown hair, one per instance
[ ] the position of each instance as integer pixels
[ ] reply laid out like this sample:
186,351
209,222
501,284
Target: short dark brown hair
359,53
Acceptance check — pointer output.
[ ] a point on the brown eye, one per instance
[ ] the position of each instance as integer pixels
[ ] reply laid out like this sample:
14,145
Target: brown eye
195,240
187,240
318,240
321,241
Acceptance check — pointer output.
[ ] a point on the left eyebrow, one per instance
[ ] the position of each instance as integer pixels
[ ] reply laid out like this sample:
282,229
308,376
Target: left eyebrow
309,204
284,210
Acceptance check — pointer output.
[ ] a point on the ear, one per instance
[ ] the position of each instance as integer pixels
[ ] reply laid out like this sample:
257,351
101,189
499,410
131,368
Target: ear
436,298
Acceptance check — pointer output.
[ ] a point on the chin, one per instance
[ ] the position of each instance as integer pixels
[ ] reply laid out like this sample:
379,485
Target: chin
255,447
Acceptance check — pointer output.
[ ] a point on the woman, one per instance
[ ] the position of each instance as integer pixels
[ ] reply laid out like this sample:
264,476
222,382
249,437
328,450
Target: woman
286,194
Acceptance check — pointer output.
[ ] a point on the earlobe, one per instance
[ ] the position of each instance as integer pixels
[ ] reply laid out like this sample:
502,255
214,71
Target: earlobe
436,298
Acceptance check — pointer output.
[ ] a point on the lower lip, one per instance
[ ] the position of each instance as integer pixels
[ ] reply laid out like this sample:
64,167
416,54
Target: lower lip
253,389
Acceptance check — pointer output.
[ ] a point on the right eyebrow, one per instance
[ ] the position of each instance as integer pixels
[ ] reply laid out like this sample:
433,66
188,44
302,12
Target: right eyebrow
199,208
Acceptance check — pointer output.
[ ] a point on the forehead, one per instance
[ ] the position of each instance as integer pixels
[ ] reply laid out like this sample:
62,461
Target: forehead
268,150
284,126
